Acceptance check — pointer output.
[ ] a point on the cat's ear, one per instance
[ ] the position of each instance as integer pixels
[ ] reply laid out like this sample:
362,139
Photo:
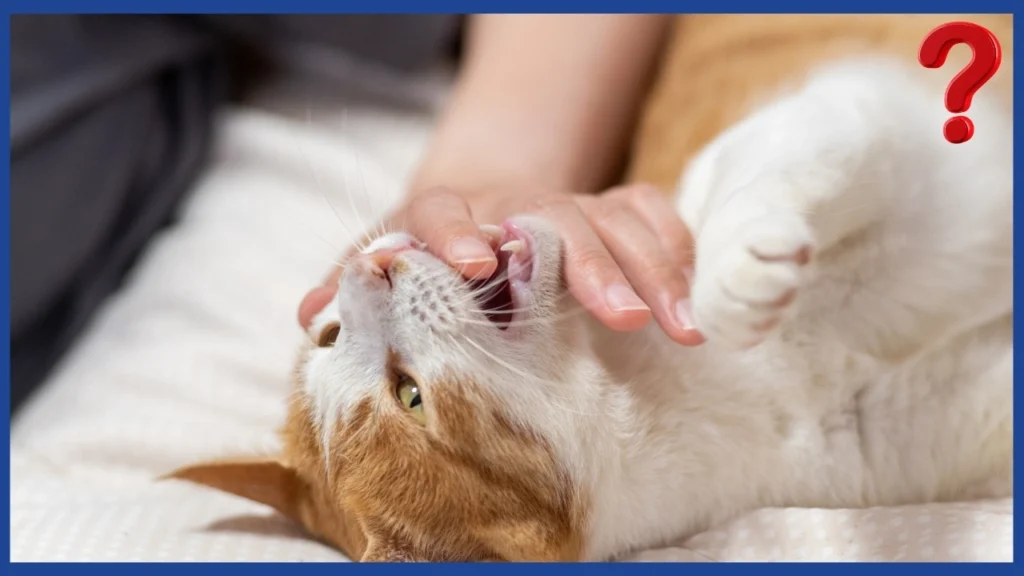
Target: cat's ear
263,480
275,484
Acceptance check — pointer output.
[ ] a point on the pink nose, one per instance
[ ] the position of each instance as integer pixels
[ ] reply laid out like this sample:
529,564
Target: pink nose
383,258
379,262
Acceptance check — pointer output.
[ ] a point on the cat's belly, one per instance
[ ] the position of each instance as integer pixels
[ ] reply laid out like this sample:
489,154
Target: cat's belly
937,427
803,422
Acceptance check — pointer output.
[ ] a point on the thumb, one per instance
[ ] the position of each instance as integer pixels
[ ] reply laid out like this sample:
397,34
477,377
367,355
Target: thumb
443,221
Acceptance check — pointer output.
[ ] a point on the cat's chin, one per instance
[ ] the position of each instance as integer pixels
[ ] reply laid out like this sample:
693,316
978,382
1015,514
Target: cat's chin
506,297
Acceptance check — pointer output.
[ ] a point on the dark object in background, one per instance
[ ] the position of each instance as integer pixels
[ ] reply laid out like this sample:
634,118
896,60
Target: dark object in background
111,120
110,123
401,42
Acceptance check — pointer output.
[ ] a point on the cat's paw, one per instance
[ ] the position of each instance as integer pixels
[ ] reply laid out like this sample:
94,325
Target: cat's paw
748,277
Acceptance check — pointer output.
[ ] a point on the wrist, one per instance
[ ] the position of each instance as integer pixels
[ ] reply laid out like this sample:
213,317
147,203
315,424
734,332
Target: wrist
477,152
469,185
471,174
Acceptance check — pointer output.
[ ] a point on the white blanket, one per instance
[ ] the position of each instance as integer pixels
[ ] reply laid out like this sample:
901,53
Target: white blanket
190,360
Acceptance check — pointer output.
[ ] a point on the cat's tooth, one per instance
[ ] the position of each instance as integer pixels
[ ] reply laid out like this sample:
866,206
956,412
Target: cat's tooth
512,246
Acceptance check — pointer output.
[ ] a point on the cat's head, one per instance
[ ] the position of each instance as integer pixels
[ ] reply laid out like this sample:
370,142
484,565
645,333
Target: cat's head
433,418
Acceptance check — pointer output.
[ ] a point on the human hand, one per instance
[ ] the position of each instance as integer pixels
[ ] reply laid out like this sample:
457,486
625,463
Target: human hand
445,222
626,250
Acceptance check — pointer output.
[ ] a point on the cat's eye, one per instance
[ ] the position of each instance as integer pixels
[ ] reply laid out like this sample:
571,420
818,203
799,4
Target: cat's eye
408,392
329,335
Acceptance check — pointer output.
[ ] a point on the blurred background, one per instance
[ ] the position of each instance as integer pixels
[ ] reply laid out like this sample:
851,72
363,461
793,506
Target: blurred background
113,119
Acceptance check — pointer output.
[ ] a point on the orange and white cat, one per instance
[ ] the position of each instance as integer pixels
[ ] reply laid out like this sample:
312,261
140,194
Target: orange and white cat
854,276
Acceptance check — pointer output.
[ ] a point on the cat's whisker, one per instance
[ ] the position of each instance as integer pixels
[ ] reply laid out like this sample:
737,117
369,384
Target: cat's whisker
493,283
367,195
373,206
405,219
470,302
527,322
320,237
482,294
301,244
475,360
320,188
518,372
348,192
506,309
487,291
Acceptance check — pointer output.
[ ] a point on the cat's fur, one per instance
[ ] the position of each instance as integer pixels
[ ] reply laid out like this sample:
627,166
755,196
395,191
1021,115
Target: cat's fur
854,279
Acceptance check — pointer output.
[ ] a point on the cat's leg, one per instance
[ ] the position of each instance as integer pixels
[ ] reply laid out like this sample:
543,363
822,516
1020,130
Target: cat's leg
856,152
772,191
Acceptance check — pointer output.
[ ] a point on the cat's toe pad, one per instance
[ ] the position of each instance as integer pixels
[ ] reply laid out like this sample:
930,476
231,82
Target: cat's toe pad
745,288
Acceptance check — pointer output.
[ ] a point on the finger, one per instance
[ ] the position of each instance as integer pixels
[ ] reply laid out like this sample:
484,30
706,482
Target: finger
657,211
591,274
493,234
444,222
647,265
314,301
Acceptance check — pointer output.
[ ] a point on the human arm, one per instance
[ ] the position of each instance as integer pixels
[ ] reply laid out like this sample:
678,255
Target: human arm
542,112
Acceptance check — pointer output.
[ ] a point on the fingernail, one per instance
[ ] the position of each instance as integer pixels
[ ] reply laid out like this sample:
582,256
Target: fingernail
684,314
469,250
493,233
621,298
492,230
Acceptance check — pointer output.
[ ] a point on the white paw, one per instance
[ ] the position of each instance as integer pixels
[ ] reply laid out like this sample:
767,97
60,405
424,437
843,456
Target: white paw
748,276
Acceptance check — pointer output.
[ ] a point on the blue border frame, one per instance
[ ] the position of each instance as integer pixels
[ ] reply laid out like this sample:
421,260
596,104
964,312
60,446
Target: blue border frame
503,6
453,6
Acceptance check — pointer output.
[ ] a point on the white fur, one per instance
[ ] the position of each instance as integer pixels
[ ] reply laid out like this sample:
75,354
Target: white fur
887,380
891,380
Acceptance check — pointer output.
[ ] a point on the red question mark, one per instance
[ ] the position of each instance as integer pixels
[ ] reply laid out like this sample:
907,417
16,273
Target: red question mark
987,57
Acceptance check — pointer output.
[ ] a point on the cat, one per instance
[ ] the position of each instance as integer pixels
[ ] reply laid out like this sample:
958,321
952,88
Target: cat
853,277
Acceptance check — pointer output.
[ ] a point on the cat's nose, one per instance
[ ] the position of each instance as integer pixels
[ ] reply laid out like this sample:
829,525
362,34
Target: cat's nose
383,258
379,262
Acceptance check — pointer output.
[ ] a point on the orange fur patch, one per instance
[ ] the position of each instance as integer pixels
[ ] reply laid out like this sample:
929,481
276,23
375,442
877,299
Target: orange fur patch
717,67
470,486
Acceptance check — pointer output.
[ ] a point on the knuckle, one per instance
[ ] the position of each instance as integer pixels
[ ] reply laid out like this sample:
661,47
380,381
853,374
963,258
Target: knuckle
431,199
664,273
643,192
593,260
437,192
448,228
604,212
680,250
547,203
417,207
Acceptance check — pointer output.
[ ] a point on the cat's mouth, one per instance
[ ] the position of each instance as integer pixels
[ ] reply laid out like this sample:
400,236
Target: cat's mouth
504,296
